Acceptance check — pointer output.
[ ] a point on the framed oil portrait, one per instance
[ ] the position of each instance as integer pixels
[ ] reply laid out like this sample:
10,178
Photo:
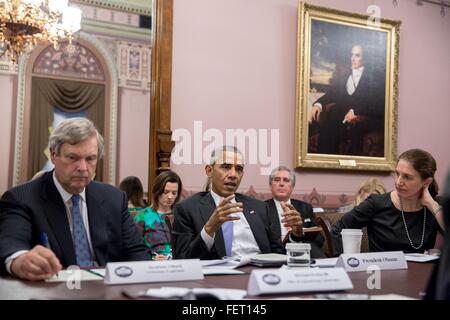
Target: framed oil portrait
347,92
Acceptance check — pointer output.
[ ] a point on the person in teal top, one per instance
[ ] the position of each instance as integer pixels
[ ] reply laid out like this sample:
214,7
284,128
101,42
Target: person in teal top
132,186
154,222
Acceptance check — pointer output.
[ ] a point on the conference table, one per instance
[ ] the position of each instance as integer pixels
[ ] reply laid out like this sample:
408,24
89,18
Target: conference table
409,282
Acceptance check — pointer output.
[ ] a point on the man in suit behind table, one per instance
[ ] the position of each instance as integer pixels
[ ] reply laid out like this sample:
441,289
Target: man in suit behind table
282,183
221,222
63,218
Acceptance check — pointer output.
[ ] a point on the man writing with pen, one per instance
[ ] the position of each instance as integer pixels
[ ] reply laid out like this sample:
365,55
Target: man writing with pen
63,218
221,222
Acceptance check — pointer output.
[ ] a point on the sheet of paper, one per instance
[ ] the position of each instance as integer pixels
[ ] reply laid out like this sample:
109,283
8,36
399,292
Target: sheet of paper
220,271
325,263
208,263
269,257
100,272
177,292
228,263
420,257
391,296
72,275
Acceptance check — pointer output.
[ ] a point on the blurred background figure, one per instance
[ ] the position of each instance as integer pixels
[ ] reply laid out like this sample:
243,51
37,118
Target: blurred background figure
132,186
156,221
367,187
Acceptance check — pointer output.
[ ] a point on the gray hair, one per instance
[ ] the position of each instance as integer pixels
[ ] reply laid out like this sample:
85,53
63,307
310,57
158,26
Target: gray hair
217,153
73,131
282,168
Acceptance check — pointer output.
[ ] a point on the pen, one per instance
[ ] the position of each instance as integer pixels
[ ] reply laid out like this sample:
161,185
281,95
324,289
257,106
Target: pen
44,240
45,243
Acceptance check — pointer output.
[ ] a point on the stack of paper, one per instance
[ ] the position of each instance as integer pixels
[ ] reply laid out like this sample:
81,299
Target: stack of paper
268,260
420,257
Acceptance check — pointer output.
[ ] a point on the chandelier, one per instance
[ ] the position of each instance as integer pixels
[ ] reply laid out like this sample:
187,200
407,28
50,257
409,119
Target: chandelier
27,23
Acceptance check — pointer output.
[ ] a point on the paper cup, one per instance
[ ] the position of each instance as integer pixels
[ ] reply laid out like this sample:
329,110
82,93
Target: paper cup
351,240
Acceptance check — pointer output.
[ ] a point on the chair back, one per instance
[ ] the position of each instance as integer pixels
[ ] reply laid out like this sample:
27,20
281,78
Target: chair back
326,220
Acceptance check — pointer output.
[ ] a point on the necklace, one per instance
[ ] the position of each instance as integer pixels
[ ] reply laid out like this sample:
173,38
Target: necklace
406,228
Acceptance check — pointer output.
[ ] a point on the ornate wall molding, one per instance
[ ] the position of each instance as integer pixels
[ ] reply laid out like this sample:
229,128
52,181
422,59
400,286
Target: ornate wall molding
118,24
135,6
7,67
134,62
69,60
117,31
24,64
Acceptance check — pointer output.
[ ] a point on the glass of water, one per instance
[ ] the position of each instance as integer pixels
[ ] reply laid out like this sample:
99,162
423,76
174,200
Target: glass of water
298,255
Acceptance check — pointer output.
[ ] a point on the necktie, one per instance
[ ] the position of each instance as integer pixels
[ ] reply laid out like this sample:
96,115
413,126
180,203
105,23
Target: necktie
227,230
82,250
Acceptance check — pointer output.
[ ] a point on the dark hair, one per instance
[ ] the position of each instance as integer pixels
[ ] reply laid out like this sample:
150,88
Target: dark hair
424,163
159,185
133,188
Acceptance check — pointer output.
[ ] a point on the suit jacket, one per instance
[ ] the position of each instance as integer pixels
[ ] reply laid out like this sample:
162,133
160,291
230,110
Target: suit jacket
439,284
192,214
40,208
309,220
367,100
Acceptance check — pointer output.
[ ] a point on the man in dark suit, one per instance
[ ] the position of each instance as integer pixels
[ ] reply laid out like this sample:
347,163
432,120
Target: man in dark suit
439,283
282,183
353,106
221,222
63,218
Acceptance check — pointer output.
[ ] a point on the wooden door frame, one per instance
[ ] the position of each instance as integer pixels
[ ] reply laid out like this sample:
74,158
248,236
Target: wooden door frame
161,144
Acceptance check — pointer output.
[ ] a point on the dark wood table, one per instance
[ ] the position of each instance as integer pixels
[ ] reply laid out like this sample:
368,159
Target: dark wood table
410,282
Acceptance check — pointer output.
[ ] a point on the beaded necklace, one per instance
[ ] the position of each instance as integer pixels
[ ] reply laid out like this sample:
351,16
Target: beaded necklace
406,227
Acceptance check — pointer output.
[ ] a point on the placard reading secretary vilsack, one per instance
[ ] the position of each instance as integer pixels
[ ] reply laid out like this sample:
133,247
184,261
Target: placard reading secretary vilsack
153,271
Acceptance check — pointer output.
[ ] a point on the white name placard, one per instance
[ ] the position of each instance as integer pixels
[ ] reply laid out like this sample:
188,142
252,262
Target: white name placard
301,280
153,271
387,260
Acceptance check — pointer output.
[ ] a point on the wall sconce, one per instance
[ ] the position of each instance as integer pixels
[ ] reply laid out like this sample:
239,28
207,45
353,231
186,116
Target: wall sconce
441,3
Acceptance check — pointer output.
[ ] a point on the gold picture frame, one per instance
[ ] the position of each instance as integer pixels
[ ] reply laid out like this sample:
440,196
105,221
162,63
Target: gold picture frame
347,90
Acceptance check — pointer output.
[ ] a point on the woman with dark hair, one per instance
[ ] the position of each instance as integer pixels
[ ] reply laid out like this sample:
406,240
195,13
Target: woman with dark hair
165,194
406,219
132,186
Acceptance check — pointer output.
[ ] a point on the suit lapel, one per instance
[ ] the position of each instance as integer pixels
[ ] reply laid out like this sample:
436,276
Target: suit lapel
207,206
98,222
56,214
273,216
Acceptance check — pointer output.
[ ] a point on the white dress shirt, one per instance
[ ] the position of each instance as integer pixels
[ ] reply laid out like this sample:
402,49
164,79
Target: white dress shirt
353,80
244,242
352,83
280,211
66,197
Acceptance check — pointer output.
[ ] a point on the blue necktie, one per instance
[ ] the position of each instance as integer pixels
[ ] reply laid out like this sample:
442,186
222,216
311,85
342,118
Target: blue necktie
227,230
80,240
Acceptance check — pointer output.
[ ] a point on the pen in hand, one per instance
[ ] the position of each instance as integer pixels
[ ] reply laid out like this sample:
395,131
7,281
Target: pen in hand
44,240
45,243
